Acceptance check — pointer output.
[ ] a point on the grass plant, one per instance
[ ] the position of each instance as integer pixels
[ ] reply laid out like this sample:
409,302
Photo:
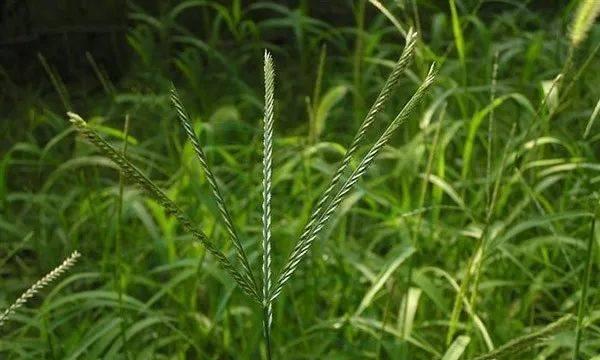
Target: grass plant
362,204
324,209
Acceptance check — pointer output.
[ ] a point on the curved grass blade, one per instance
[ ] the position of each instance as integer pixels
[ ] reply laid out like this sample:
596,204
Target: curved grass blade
212,181
457,348
593,117
135,175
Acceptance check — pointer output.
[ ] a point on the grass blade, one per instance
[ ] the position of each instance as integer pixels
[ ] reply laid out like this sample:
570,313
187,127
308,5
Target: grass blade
313,103
458,34
382,278
592,119
57,82
584,290
390,16
457,348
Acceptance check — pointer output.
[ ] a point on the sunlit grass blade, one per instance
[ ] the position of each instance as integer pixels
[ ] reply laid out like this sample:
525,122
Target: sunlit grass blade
266,194
214,187
457,348
323,216
390,16
458,34
39,285
135,175
313,103
382,278
592,119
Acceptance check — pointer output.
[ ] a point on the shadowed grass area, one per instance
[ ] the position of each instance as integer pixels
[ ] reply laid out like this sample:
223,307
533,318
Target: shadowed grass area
469,235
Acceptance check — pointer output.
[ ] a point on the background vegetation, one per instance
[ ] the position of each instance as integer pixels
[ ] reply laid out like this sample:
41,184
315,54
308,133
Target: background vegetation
473,228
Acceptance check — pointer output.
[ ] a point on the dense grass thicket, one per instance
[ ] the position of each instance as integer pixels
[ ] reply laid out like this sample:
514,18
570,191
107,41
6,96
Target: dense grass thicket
471,236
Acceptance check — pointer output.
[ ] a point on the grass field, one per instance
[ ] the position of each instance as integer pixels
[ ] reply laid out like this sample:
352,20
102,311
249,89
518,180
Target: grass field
471,235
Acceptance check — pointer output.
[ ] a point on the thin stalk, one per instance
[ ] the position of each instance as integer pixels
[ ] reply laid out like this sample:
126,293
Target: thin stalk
386,315
104,81
118,238
57,82
417,20
584,290
580,69
491,189
358,56
491,126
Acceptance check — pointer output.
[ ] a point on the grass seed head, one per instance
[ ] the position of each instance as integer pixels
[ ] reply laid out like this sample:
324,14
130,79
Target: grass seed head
586,13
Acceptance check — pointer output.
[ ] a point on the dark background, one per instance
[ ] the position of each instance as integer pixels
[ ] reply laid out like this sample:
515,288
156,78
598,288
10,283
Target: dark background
63,31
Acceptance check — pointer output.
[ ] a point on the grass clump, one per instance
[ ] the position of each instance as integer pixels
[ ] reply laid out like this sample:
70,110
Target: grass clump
324,209
454,204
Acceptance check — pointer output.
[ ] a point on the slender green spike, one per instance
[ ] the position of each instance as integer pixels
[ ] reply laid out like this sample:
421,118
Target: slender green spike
135,175
382,98
212,181
39,285
586,13
266,205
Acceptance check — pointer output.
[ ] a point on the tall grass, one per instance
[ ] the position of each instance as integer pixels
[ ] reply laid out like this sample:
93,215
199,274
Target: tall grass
324,209
227,220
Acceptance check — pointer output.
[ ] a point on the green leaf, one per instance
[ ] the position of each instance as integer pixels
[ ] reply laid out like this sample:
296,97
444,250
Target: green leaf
330,99
457,348
382,278
457,31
